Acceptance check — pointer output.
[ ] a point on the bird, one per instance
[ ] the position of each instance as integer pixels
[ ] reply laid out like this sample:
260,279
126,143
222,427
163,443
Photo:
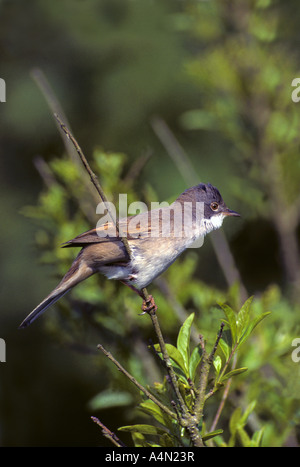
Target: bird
156,238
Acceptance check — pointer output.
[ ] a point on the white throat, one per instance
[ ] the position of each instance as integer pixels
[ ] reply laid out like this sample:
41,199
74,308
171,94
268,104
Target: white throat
215,222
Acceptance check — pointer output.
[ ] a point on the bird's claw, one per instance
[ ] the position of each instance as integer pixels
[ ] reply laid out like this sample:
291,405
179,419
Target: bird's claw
148,305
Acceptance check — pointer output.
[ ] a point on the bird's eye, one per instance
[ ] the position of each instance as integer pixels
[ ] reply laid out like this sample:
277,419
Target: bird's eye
214,206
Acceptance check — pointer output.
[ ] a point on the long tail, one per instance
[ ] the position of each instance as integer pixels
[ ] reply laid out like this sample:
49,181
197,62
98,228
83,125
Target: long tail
77,273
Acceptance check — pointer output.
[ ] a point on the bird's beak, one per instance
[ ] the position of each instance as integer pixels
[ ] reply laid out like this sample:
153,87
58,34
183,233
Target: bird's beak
229,212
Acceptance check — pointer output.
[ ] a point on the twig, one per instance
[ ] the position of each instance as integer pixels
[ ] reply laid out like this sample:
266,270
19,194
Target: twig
212,354
183,416
54,105
94,180
166,359
109,434
179,309
136,383
53,102
206,363
222,403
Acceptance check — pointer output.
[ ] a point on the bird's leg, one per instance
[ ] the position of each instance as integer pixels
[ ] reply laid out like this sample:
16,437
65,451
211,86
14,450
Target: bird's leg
148,304
133,288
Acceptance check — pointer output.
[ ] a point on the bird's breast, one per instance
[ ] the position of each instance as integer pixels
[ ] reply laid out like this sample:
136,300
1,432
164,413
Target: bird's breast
151,258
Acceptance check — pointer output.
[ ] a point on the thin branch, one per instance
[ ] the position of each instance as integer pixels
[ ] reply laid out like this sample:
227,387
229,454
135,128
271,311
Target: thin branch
109,434
54,105
206,363
94,180
167,360
212,354
223,400
136,383
179,309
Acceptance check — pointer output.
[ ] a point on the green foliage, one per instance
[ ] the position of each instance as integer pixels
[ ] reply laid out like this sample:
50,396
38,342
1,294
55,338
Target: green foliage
238,433
244,74
108,399
187,364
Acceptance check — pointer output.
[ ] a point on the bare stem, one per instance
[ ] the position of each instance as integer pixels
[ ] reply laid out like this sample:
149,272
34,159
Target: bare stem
166,358
207,360
94,180
223,401
136,383
109,434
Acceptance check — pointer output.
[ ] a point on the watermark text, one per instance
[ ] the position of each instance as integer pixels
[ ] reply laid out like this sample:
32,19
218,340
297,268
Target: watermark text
296,352
296,91
2,351
2,90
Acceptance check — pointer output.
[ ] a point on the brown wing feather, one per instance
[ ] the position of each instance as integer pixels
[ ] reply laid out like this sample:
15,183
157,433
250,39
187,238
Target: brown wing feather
138,226
108,232
102,254
104,233
83,239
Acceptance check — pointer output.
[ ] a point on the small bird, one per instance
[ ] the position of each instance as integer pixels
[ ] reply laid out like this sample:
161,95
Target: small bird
156,238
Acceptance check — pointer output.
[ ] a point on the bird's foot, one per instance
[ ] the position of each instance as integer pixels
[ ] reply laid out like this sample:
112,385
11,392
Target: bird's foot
149,305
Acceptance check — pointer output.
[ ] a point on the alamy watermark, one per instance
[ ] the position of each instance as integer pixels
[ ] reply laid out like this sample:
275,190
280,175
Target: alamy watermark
163,220
296,352
2,351
2,90
296,91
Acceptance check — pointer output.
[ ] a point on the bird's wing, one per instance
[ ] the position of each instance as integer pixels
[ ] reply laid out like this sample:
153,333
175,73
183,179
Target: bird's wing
108,232
142,225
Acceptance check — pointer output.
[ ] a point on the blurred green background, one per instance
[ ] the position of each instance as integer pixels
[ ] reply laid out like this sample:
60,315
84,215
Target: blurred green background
161,95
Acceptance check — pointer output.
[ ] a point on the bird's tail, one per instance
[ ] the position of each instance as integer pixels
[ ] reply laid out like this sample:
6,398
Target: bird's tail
77,273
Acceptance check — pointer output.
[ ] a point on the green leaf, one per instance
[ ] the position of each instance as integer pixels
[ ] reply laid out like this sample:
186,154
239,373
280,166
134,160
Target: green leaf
256,439
166,441
232,373
236,425
244,437
143,429
231,317
225,348
212,434
107,399
253,325
217,364
243,317
174,354
183,340
248,411
195,359
139,440
152,409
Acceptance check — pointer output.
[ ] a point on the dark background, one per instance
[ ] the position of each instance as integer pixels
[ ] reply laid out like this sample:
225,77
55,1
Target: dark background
219,75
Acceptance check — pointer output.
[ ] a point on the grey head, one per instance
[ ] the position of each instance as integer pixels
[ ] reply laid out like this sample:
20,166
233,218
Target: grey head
208,194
